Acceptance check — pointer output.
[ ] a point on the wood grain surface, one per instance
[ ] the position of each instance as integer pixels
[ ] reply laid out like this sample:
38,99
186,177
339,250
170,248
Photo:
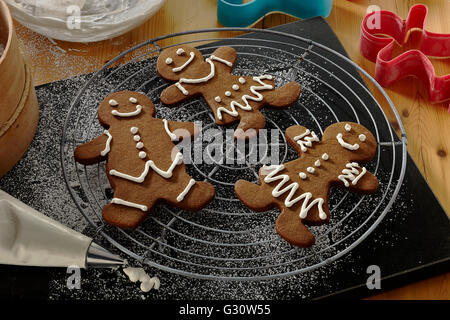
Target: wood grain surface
427,125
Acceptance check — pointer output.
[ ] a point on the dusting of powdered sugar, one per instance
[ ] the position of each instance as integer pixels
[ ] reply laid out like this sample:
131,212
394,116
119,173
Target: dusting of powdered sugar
223,240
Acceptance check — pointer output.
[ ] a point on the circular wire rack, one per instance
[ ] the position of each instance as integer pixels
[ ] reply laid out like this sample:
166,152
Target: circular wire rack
225,240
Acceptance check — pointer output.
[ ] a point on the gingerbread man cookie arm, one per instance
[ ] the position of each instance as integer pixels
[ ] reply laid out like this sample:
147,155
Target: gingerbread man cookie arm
176,93
181,130
95,150
357,178
225,55
284,96
301,139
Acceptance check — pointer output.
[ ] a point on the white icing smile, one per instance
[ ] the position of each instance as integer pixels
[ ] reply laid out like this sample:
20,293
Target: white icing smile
178,69
128,114
345,144
204,79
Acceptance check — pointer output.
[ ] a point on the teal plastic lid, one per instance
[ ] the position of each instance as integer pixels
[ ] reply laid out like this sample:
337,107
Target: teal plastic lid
235,13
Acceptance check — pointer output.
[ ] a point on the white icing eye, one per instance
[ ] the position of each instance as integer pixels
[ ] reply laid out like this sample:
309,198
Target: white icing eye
180,51
348,127
136,138
362,137
134,130
217,99
235,87
139,145
113,103
310,169
325,156
302,175
133,100
169,60
241,80
227,93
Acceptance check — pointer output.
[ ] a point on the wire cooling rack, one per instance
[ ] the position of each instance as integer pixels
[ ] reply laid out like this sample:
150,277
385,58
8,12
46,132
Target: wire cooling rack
225,240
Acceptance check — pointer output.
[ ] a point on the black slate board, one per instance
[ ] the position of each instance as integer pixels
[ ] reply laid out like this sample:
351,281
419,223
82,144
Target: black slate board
412,242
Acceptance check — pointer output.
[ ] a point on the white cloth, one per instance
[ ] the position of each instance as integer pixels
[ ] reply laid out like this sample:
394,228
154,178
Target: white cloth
30,238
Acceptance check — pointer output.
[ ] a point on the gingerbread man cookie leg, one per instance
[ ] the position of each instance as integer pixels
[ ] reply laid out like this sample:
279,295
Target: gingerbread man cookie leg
249,125
125,212
292,229
191,196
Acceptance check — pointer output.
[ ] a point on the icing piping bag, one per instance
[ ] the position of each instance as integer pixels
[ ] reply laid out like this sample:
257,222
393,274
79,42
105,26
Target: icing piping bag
30,238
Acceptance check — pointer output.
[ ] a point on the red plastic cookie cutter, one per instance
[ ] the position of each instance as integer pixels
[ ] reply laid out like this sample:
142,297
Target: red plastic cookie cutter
380,29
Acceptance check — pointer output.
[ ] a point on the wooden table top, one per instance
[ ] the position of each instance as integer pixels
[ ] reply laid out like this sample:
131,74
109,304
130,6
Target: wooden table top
427,126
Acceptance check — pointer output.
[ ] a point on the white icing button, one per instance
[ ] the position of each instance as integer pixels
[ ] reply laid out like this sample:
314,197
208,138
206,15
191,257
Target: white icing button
362,137
136,138
241,80
217,99
133,100
310,169
235,87
113,103
142,154
227,93
302,175
169,60
134,130
325,156
348,127
139,145
317,163
180,51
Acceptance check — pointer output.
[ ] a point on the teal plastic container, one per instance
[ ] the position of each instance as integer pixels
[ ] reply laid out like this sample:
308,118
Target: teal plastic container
235,13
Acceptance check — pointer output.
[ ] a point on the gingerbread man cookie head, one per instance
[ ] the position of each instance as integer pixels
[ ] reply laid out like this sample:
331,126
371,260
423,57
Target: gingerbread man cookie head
180,62
124,105
352,139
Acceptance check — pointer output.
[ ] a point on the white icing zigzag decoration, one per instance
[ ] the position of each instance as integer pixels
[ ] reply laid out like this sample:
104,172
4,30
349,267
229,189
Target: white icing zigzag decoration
150,164
254,89
352,174
307,142
306,205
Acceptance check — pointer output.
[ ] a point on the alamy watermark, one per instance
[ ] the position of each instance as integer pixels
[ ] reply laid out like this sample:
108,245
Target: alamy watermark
74,278
218,146
71,11
374,280
374,20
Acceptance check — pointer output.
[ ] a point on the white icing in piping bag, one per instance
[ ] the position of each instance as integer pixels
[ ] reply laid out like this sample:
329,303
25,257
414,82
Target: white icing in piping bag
30,238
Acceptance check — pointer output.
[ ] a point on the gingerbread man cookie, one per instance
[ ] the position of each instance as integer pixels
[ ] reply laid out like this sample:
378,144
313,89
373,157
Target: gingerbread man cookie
300,188
143,165
231,97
